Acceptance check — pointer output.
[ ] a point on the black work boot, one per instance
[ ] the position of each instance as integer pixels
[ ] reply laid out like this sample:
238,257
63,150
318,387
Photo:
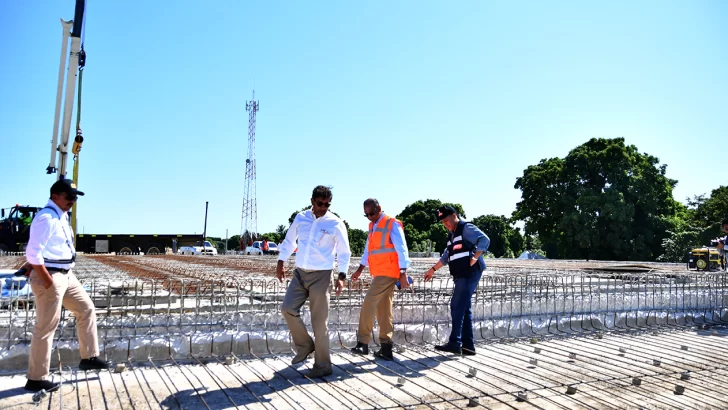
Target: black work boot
385,352
38,385
93,363
361,348
449,348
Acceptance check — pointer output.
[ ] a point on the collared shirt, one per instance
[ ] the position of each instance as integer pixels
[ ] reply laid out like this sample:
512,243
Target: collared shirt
396,235
474,235
51,238
320,242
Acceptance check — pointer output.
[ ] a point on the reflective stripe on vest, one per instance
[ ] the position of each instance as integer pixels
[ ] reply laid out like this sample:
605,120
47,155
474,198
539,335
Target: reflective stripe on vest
383,259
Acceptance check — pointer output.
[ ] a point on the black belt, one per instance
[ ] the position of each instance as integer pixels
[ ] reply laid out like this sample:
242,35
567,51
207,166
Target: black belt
51,269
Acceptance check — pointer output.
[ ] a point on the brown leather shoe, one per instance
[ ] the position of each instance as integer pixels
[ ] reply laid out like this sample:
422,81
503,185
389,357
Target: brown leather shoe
316,372
301,356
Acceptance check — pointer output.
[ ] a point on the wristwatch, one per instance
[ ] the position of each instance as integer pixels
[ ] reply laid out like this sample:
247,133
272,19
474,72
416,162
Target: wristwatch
402,271
342,276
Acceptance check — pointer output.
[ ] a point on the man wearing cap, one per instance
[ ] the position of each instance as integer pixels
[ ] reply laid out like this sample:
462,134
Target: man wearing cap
322,240
51,253
388,259
464,256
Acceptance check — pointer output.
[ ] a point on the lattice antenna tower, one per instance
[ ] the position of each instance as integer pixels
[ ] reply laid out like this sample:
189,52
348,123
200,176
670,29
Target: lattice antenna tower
249,223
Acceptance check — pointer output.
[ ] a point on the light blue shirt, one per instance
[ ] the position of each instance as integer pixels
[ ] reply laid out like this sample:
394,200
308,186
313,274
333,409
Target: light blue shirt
396,235
474,235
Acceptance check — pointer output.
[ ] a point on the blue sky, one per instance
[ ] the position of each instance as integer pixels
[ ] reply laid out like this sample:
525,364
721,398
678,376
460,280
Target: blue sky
399,100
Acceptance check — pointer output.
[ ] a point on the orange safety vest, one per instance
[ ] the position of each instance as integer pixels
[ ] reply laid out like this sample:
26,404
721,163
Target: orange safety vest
265,245
383,260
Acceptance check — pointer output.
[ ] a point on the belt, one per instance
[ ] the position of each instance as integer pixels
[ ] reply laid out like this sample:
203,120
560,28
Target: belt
63,271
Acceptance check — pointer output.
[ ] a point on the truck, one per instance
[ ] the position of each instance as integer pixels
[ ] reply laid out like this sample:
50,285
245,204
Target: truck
15,232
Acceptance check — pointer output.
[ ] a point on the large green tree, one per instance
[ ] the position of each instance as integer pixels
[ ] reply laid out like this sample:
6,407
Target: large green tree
604,200
421,223
505,239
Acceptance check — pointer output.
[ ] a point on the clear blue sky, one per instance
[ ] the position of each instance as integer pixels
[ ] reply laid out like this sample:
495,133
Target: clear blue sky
399,100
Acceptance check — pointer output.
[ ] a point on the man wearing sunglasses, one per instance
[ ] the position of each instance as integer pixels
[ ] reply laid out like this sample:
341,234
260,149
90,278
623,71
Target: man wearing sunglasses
387,256
322,240
51,253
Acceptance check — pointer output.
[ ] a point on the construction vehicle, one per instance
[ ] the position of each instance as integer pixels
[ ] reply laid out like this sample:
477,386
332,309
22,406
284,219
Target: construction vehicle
15,232
707,258
15,228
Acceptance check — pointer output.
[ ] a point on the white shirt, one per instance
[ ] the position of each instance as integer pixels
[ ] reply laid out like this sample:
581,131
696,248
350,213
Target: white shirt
320,241
51,238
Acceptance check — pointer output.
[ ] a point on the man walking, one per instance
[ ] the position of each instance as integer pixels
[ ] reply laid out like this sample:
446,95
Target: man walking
464,256
51,253
388,259
322,238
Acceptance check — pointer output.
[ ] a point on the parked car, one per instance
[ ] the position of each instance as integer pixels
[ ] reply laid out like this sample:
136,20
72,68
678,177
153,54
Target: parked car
198,249
257,248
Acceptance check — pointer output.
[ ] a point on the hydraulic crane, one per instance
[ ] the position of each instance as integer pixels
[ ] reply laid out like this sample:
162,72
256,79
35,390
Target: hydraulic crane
72,29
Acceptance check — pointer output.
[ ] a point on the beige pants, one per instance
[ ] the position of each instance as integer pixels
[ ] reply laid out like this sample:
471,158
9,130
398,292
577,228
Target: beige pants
68,291
378,300
316,286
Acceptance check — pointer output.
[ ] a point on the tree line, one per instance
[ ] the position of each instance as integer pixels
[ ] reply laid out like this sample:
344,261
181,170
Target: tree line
605,200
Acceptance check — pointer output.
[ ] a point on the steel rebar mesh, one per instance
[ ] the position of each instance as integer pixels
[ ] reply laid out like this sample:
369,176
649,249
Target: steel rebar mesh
162,296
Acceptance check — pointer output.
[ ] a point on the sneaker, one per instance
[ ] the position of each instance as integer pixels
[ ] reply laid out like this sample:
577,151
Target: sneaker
316,372
449,348
93,363
361,348
301,356
38,385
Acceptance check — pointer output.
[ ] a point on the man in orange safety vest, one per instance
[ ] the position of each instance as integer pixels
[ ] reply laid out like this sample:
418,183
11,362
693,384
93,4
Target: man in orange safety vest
387,256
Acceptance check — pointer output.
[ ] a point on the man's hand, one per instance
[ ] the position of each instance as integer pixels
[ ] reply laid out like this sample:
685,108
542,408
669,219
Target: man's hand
720,245
429,274
358,272
279,271
473,261
338,286
404,281
48,284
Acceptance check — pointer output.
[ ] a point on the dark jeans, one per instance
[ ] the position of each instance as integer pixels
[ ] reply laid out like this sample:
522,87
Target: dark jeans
462,316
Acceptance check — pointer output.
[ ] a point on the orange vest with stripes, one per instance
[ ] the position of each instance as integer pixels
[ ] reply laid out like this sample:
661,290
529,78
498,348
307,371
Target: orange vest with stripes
383,260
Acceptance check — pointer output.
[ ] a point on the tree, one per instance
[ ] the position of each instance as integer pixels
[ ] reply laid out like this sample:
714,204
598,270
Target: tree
421,223
357,241
604,200
281,230
502,235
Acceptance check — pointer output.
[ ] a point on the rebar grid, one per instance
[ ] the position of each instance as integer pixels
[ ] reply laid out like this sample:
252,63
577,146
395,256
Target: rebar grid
142,297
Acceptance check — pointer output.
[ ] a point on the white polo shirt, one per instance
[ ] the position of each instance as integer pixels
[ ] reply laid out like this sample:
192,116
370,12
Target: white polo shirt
51,239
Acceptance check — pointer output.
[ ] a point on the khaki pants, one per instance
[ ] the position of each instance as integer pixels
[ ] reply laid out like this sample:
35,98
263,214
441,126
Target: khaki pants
378,300
68,291
315,285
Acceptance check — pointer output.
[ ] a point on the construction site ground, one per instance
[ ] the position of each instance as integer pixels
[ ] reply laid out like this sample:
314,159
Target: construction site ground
666,348
673,368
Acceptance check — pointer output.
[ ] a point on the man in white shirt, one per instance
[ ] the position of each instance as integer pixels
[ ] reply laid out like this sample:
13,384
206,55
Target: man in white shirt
51,253
322,238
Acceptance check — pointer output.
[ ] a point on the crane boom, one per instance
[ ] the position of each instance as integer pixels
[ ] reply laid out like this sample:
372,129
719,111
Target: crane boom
70,89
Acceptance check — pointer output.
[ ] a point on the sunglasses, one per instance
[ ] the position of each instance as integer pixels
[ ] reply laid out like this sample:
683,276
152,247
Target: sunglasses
71,197
326,204
366,215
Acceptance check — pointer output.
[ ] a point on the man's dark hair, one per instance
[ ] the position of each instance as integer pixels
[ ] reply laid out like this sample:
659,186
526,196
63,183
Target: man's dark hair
322,192
725,221
371,202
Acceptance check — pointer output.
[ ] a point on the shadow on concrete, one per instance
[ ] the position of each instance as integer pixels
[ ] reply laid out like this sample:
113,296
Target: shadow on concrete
292,377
